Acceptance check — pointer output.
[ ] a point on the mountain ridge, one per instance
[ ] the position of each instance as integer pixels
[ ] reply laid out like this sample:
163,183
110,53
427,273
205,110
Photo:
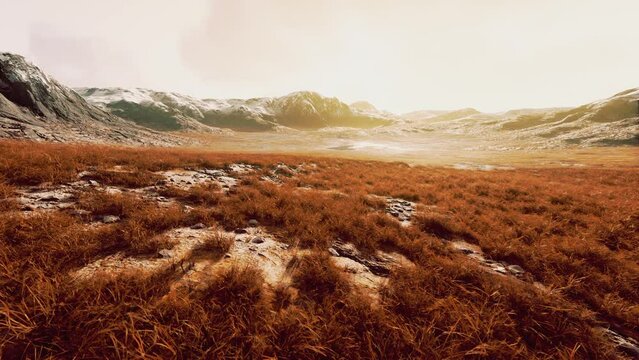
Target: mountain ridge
33,105
301,110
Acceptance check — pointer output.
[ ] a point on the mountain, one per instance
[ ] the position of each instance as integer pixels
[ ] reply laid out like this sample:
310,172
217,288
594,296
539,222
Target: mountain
363,106
443,116
36,106
166,111
611,121
422,114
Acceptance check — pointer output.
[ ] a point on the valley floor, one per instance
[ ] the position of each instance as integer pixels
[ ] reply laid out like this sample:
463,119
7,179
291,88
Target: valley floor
187,253
462,151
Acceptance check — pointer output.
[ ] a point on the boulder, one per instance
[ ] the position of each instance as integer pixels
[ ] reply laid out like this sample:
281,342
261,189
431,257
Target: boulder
516,270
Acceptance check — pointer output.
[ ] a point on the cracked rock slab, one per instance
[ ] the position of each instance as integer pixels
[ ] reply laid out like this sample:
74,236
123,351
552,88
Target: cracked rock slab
46,199
380,263
475,253
401,209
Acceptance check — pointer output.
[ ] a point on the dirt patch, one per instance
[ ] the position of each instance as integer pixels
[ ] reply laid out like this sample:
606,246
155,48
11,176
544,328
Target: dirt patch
253,247
185,240
186,179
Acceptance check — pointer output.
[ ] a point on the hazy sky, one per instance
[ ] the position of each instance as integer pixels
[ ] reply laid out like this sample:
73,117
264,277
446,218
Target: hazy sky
401,55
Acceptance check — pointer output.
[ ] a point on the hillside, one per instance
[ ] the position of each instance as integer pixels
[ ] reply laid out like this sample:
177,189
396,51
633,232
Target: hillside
608,122
36,106
170,111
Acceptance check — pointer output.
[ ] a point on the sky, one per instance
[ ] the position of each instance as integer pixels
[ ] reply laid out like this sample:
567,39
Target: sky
401,55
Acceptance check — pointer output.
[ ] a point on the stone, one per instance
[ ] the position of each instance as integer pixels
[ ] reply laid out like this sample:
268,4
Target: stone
253,223
50,198
516,270
84,174
93,183
496,266
109,219
240,231
80,212
627,345
630,349
376,265
198,226
257,240
165,253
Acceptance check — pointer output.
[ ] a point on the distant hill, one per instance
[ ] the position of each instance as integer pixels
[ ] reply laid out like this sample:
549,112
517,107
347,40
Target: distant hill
611,121
303,110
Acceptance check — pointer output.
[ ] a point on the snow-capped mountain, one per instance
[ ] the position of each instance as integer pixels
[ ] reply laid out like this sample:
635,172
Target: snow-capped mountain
32,92
34,105
303,110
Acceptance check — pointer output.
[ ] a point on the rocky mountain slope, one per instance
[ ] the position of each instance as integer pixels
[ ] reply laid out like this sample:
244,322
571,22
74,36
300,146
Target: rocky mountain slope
611,121
36,106
171,111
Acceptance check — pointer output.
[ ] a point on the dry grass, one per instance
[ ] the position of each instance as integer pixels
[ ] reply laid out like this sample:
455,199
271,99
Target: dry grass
205,194
6,192
130,178
572,230
217,243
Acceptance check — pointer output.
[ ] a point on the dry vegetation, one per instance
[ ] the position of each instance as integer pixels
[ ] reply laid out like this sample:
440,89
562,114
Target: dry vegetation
575,231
